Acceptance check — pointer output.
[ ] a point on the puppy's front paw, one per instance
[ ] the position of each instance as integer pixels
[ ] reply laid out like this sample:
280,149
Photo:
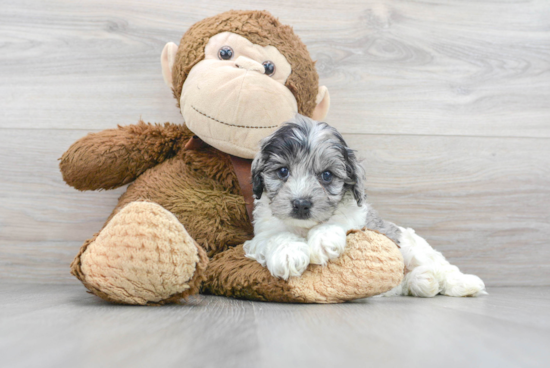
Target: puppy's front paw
253,250
288,260
326,242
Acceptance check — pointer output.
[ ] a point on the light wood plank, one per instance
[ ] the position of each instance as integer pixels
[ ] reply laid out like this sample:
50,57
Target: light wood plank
34,195
63,326
483,202
393,67
44,261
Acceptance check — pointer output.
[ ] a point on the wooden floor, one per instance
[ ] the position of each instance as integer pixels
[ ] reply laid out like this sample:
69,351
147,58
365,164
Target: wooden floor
60,326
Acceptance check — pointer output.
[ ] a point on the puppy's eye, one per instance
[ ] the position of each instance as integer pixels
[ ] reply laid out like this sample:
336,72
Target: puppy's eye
326,177
282,173
225,53
269,68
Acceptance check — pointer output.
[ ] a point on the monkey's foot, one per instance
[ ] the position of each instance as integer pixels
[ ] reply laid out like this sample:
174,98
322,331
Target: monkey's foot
143,256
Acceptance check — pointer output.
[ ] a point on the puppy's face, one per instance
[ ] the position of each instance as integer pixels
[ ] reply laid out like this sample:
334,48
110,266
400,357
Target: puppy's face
304,169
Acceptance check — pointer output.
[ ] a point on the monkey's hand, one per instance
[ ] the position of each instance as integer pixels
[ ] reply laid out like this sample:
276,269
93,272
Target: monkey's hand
326,241
115,157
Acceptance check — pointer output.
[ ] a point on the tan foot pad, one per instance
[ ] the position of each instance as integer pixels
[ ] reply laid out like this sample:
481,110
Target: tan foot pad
143,256
372,264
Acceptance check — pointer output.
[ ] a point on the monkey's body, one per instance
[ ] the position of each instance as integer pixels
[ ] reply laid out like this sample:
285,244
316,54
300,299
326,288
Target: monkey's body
200,188
179,180
184,206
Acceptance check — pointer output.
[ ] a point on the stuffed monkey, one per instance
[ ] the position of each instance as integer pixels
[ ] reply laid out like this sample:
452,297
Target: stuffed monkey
179,227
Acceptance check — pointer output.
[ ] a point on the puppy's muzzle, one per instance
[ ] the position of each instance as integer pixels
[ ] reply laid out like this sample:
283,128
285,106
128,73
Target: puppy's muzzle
301,208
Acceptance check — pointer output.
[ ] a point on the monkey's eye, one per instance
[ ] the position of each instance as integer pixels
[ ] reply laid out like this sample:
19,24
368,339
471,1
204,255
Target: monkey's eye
269,68
225,53
326,177
282,173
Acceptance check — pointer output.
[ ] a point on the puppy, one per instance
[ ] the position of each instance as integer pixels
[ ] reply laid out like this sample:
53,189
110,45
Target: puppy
309,191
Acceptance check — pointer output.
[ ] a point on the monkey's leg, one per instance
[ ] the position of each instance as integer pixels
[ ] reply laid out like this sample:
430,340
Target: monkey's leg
370,265
142,256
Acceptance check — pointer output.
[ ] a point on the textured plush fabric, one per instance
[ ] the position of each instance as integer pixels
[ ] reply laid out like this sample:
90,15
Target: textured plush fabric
116,157
371,265
184,205
199,190
258,27
143,256
199,187
226,105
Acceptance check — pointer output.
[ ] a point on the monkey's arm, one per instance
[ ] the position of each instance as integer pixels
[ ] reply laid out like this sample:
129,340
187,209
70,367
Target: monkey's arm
114,157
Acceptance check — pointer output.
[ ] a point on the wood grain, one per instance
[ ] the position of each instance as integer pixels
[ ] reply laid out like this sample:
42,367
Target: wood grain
63,326
393,67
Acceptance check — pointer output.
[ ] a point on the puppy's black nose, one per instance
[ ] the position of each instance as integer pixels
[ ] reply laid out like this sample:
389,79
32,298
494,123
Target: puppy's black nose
301,207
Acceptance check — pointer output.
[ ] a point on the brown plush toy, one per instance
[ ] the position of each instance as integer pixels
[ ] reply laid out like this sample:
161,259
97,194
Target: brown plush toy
179,227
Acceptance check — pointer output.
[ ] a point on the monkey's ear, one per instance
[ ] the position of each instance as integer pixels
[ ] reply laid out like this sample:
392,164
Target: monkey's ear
167,59
323,103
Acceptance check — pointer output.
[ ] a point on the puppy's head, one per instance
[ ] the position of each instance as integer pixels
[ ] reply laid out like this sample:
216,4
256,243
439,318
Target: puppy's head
305,168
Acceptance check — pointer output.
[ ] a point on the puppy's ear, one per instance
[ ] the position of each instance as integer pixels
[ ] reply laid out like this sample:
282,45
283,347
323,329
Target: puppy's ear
356,175
355,172
257,179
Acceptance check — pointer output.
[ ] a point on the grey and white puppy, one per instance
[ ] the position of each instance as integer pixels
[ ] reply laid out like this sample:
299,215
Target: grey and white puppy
309,190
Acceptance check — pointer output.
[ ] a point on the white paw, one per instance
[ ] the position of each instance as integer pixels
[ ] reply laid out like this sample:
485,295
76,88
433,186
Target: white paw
459,284
422,282
326,242
288,260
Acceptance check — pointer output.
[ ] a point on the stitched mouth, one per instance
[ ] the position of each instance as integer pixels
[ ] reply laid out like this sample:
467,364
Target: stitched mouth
234,125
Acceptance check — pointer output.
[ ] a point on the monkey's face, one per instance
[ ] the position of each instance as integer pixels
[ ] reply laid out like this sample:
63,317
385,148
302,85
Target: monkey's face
237,95
238,76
